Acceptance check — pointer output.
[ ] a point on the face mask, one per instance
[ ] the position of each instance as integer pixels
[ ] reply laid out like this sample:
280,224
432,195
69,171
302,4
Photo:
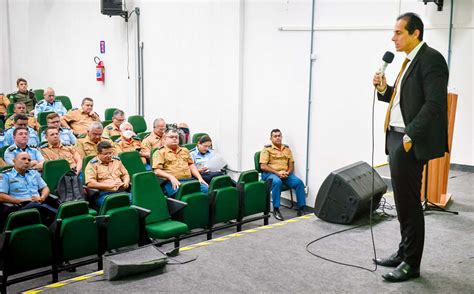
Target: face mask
128,134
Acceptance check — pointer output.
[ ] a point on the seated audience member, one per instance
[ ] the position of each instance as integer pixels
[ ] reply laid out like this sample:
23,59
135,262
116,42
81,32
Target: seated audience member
155,139
23,95
106,173
128,140
20,108
201,155
79,120
277,163
88,145
24,186
20,138
175,164
21,120
65,135
50,104
4,102
113,129
54,150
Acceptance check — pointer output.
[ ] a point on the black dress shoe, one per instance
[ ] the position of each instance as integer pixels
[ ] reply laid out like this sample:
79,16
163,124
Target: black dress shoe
277,214
402,273
392,261
300,211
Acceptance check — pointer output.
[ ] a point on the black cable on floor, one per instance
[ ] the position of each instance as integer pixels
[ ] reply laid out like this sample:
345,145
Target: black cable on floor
370,210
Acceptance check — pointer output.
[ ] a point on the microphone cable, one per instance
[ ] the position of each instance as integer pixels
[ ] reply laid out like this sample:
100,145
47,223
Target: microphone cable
370,210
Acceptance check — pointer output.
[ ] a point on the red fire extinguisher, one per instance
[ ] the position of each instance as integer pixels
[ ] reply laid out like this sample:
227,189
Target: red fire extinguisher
99,70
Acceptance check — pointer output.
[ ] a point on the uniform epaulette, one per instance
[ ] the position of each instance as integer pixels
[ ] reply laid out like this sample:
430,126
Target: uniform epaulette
7,170
32,146
110,127
116,158
30,115
286,146
45,145
11,148
161,147
117,140
268,145
8,129
94,160
75,108
106,139
41,102
194,149
136,138
82,136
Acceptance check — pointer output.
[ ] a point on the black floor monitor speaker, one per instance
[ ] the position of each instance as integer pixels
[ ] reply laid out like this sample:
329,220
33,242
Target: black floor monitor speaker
345,194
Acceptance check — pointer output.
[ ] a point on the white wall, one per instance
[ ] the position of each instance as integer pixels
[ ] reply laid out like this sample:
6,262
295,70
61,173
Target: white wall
241,67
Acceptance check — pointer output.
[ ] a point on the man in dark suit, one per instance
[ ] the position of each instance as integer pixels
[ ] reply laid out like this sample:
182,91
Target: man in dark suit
416,131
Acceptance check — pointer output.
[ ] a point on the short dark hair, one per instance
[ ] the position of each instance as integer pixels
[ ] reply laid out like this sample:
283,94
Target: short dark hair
19,117
20,80
18,103
274,131
204,139
103,145
49,128
118,112
171,130
414,22
87,99
16,130
51,116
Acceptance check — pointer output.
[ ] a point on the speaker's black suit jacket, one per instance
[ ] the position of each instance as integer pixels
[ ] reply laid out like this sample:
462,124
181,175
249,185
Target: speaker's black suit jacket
423,103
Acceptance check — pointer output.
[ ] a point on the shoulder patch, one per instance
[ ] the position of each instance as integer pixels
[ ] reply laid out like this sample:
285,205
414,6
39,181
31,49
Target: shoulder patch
41,102
45,145
116,158
286,146
11,148
94,160
7,170
194,149
267,146
110,128
118,140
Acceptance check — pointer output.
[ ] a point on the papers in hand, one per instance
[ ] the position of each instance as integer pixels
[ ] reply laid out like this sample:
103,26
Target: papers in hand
216,163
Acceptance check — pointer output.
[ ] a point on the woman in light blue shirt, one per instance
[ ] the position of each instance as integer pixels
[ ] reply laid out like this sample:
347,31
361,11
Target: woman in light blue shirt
201,155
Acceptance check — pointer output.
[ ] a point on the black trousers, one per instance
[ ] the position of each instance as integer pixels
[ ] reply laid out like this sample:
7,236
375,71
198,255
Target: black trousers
406,172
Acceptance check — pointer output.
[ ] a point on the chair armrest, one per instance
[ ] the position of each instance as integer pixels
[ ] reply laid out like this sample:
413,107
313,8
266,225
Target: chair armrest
175,206
53,196
142,212
102,220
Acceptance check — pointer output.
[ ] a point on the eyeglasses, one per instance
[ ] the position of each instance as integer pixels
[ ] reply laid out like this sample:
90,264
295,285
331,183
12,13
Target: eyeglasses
173,137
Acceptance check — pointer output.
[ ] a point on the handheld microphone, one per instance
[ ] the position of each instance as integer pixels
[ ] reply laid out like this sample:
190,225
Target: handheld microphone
387,59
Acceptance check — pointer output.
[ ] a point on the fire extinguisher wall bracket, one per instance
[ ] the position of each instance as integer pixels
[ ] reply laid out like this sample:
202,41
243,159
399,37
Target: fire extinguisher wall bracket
99,69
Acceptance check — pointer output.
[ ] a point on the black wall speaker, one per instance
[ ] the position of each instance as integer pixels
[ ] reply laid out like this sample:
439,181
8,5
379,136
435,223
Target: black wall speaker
111,7
345,194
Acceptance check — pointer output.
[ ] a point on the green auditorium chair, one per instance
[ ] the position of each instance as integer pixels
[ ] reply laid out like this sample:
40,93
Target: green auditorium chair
189,146
2,125
109,112
151,155
256,160
76,235
65,101
2,150
85,161
53,170
138,123
25,244
39,94
147,193
132,162
254,197
196,213
143,135
197,136
123,225
10,108
42,117
106,123
224,204
41,130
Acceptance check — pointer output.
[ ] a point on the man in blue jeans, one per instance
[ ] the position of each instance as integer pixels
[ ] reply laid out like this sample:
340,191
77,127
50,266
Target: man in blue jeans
277,163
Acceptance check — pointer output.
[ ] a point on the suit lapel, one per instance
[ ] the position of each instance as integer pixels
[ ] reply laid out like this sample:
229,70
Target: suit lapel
413,64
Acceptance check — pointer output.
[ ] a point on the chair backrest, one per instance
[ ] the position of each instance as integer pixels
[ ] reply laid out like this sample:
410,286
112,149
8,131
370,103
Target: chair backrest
143,135
138,123
151,155
197,136
256,161
123,224
109,112
114,137
27,231
39,94
65,101
85,161
249,176
41,130
220,182
2,150
42,117
254,198
2,124
188,188
78,232
106,123
189,146
53,170
10,107
147,193
226,205
132,162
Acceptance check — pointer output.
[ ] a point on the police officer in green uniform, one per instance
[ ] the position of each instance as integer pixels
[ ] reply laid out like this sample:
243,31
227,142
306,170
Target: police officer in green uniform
23,95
